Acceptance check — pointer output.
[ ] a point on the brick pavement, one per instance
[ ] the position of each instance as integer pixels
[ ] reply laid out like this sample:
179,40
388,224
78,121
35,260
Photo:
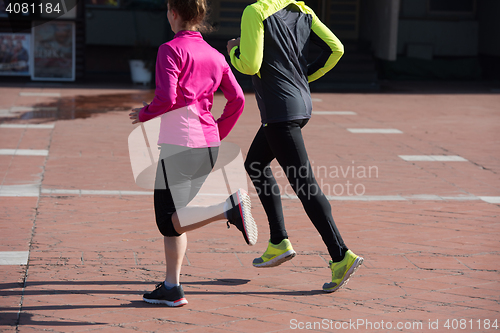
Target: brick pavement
429,231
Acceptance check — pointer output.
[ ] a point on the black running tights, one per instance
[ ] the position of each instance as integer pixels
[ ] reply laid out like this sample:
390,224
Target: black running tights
284,142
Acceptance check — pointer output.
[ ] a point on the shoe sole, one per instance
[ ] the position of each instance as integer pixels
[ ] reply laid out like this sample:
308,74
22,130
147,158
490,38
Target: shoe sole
249,225
179,302
357,263
288,255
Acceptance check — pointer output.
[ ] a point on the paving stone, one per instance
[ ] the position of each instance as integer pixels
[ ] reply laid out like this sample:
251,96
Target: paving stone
430,255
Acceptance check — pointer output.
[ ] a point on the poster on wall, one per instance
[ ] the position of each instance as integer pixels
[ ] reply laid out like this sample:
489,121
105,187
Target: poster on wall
14,54
53,56
3,12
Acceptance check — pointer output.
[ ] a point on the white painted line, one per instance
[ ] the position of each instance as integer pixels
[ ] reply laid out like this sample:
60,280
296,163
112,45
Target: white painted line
428,197
40,94
99,192
432,158
414,197
110,192
412,158
31,108
14,257
57,191
335,113
15,110
93,192
374,130
136,193
449,158
24,152
31,190
21,109
316,99
460,198
410,197
366,198
6,113
493,200
213,195
35,126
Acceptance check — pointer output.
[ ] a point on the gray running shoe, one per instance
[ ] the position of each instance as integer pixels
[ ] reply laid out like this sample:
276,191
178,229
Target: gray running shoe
240,215
162,295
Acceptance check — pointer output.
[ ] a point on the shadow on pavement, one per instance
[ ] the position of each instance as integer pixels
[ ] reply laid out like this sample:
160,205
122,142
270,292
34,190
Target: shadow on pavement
26,319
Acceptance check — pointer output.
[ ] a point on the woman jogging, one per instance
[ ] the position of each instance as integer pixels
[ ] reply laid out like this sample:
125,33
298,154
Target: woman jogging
188,72
273,48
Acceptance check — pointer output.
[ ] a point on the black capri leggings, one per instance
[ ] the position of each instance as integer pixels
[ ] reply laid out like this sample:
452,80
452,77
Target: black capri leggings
284,142
180,173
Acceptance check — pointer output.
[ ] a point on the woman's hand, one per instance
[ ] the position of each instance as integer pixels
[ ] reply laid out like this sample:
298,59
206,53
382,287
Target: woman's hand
135,114
232,43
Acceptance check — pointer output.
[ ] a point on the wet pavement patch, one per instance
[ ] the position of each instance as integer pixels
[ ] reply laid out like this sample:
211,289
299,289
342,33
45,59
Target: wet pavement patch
74,107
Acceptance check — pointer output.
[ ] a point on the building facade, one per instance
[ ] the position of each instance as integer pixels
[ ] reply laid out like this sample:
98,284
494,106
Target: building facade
107,33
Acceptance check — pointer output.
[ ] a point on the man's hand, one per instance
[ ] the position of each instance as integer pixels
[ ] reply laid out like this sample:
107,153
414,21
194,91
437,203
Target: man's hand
135,114
232,43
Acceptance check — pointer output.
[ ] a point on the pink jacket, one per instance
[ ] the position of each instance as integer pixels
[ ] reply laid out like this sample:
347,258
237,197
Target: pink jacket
188,72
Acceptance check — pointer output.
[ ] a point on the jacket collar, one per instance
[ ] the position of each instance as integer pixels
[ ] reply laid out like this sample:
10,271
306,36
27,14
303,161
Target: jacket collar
187,33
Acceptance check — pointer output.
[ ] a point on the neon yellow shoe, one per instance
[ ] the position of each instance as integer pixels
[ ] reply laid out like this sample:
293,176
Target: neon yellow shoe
342,271
275,254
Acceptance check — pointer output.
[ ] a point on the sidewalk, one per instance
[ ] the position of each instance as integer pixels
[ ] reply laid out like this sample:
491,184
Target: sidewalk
79,244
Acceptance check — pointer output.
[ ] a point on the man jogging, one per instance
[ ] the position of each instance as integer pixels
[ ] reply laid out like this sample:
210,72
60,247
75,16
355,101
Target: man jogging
275,35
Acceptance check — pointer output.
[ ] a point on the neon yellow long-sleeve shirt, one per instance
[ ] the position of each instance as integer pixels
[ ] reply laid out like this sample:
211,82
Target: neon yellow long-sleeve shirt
247,58
274,43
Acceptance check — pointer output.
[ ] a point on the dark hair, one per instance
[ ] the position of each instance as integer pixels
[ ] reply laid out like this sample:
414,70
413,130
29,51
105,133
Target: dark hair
193,11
